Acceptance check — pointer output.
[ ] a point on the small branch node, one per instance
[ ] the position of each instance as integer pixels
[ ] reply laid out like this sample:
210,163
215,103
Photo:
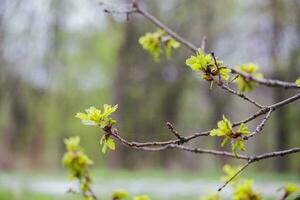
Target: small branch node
172,129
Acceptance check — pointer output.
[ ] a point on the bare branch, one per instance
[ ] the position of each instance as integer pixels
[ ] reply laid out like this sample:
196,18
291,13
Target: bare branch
172,129
275,154
145,146
285,102
209,151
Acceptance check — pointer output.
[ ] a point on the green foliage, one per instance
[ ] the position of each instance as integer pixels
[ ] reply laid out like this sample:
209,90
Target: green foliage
290,188
141,197
225,130
95,117
75,159
298,82
119,194
152,42
242,191
215,196
207,66
230,172
169,44
107,142
77,163
248,85
245,192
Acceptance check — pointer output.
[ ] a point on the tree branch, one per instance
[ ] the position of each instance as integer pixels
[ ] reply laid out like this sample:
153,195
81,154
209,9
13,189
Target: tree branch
260,126
135,8
172,129
225,87
177,143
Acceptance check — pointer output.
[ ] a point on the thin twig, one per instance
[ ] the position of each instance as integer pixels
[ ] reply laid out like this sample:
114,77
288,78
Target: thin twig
260,126
264,81
113,132
261,157
275,154
215,61
172,129
233,79
243,96
209,151
237,173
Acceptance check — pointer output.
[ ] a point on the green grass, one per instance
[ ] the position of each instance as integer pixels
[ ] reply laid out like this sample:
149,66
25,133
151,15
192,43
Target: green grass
184,175
105,174
6,194
25,195
111,175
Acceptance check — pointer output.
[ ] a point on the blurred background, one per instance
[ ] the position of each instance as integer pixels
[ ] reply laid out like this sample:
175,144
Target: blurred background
58,57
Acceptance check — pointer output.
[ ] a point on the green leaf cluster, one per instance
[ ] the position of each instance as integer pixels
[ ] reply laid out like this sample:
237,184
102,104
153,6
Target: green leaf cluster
75,159
205,64
225,130
298,82
77,162
248,85
244,191
119,194
107,143
290,188
154,42
123,194
95,117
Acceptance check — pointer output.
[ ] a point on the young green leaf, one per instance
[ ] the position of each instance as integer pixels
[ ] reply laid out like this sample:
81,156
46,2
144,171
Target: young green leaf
246,85
169,44
243,129
107,142
237,144
290,188
153,42
119,194
224,73
77,162
245,191
95,117
298,82
225,130
224,142
207,66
